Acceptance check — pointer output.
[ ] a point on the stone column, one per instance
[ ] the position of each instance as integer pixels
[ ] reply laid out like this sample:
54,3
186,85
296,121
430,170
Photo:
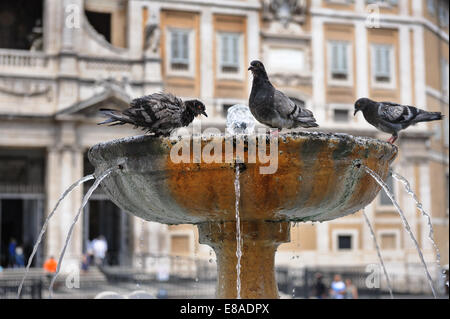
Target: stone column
206,57
152,58
318,69
260,240
64,167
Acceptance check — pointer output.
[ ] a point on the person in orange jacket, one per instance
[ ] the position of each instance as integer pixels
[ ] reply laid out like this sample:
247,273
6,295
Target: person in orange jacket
50,265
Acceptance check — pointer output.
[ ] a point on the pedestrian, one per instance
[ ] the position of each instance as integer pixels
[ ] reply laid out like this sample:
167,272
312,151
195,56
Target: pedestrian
19,258
100,247
50,265
85,263
351,292
320,290
12,252
337,290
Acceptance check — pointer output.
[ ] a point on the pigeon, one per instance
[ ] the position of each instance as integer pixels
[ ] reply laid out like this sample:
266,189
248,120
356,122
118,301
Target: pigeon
272,107
392,117
158,113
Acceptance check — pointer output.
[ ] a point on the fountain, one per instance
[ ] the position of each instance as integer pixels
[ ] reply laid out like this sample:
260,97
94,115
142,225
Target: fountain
319,177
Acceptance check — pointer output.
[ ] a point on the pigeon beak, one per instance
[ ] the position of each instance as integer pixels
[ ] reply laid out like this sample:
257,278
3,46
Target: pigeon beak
250,68
204,113
356,111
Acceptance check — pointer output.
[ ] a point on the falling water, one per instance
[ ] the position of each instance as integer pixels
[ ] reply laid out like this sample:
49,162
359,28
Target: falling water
69,235
44,227
237,190
372,234
405,222
424,213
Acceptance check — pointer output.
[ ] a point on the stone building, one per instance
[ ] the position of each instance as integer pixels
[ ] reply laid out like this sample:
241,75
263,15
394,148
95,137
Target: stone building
62,60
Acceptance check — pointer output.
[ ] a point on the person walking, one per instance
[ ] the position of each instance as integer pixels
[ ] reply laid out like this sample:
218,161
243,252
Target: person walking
12,252
338,288
320,290
100,247
351,292
19,258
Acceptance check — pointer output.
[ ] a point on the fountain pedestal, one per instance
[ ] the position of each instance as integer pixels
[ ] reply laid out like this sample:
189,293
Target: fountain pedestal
260,240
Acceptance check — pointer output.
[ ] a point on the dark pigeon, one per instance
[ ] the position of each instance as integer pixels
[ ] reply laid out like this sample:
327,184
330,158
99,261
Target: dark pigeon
158,113
391,117
272,107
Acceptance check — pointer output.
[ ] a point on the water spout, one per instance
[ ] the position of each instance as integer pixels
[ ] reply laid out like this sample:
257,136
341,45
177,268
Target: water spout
424,213
237,189
388,192
44,227
372,234
69,235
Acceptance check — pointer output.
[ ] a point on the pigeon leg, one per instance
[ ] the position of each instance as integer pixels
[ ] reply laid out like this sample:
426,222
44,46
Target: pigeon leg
275,133
393,138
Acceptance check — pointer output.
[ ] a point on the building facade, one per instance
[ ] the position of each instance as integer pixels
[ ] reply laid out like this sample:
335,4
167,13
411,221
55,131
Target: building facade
62,60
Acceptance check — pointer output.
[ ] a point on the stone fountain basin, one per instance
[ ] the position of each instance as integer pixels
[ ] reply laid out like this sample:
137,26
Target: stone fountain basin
319,178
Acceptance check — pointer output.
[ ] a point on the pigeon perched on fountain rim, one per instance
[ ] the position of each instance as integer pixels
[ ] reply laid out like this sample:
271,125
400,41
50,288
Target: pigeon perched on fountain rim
272,107
158,113
392,117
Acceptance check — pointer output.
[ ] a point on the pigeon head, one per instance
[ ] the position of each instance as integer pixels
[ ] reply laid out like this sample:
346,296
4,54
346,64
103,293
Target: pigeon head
257,69
361,104
196,107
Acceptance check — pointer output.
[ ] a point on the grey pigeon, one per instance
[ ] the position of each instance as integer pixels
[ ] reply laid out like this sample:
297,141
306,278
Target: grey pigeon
158,113
272,107
391,117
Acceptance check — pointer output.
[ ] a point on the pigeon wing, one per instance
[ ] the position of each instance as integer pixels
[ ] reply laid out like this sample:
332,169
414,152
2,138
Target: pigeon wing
396,113
292,112
155,110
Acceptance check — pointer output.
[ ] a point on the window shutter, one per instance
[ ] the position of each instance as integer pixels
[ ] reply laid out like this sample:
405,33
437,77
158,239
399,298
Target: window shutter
339,63
179,46
230,50
185,47
235,55
174,45
382,61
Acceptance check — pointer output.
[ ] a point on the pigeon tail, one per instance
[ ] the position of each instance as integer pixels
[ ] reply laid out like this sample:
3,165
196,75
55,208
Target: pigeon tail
425,116
115,117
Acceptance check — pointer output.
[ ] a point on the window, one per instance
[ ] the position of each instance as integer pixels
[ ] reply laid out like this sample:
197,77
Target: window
229,52
386,2
443,16
340,62
388,241
383,66
344,242
384,198
341,115
431,6
179,49
101,22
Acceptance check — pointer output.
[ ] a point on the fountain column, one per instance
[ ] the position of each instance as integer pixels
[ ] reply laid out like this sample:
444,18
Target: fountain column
260,240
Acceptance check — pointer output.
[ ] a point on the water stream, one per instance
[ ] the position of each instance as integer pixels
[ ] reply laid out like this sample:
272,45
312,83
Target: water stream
424,213
69,235
44,227
389,193
237,190
372,234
